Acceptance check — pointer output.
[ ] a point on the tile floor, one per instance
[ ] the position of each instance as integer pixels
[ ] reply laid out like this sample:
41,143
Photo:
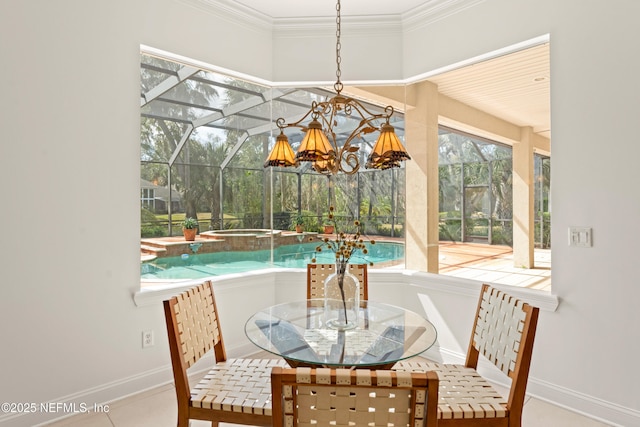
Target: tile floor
157,408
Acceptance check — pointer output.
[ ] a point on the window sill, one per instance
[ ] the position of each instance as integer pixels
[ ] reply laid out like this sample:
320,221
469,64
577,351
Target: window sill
154,294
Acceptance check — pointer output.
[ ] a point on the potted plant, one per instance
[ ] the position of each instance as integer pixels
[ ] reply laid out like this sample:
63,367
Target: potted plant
328,224
299,223
189,229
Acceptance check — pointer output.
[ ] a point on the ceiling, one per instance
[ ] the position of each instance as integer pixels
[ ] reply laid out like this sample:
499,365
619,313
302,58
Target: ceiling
514,87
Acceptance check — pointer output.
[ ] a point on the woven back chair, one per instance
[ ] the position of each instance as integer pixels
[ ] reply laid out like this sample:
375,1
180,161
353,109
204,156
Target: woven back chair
236,391
317,273
503,332
343,397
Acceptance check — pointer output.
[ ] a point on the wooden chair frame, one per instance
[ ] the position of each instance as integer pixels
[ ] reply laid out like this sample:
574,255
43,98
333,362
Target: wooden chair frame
193,330
358,396
467,399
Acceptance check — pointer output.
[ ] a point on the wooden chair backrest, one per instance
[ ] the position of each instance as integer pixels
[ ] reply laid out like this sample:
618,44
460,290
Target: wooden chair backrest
503,332
317,273
343,397
193,329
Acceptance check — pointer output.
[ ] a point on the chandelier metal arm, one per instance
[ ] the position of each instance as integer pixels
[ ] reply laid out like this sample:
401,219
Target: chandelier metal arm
280,122
367,115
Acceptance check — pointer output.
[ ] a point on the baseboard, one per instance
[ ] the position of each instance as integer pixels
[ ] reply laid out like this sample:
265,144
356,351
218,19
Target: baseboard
589,406
606,412
108,393
76,403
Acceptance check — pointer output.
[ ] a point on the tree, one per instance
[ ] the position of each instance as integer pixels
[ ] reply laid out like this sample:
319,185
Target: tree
164,125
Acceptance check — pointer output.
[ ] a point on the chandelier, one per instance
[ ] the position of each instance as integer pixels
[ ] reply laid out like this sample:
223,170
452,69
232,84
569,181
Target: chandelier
320,145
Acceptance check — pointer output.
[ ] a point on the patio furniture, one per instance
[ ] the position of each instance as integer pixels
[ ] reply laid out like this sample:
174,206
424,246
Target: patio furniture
503,332
317,273
235,391
339,397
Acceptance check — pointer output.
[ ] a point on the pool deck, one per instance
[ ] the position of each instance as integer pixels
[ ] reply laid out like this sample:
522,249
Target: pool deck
158,247
492,263
482,262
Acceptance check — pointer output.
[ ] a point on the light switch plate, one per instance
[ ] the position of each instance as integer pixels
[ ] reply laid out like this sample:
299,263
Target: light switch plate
580,237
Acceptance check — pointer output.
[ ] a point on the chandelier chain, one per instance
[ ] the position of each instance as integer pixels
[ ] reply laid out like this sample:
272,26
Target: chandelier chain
320,144
338,85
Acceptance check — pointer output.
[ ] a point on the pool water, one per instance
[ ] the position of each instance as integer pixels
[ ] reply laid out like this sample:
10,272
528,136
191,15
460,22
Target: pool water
289,256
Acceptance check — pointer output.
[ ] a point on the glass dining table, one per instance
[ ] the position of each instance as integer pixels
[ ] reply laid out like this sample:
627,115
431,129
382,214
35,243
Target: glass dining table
298,332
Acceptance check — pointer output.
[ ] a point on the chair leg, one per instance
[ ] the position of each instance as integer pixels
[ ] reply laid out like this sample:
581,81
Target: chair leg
183,421
214,424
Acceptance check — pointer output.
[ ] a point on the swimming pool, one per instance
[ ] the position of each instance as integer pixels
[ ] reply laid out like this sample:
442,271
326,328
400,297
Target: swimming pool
289,256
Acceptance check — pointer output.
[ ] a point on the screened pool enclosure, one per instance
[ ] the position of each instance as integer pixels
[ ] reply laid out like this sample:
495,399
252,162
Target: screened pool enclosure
475,179
205,137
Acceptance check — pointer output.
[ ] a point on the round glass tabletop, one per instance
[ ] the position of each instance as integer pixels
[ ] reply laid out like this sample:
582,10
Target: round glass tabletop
298,332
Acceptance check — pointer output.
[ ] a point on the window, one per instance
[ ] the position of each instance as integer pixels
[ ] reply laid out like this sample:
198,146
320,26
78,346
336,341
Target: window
204,139
147,199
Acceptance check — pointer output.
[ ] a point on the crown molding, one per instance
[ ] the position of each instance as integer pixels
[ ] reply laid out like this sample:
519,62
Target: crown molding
234,12
325,26
434,10
423,15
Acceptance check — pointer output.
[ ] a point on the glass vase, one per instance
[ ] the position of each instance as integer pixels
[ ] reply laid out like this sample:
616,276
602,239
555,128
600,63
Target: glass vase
341,298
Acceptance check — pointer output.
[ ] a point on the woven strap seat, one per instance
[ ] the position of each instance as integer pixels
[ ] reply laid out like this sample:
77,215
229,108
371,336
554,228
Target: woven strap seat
237,385
503,333
462,392
236,391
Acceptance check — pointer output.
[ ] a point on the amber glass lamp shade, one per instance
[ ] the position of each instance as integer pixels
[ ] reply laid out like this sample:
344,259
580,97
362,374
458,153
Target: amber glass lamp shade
388,151
281,154
315,146
322,165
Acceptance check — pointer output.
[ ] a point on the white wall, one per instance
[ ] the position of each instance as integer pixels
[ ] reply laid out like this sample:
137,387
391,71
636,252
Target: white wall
69,168
594,102
587,346
369,52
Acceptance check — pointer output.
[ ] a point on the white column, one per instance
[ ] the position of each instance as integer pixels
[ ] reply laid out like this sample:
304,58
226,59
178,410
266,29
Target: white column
421,138
523,192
